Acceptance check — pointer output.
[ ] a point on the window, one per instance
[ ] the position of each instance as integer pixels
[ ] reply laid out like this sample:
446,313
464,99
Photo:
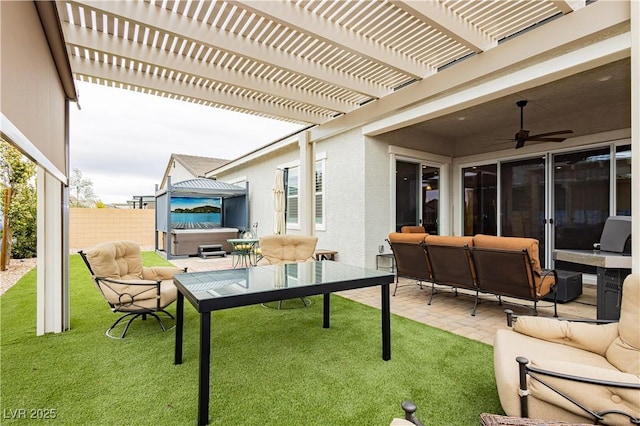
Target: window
293,195
319,174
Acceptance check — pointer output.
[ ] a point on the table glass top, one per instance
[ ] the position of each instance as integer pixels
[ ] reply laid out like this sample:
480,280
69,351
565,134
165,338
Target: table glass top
243,281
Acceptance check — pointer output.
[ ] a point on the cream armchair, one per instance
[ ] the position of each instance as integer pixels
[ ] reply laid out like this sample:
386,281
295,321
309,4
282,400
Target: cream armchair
573,371
278,249
127,286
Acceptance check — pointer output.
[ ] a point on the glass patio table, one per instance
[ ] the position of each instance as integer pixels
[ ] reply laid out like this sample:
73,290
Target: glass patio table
222,289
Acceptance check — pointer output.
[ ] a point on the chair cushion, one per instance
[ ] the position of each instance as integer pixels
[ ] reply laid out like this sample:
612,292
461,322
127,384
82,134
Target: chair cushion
288,248
146,296
511,243
449,240
407,237
160,272
597,398
591,337
416,229
118,260
508,345
624,352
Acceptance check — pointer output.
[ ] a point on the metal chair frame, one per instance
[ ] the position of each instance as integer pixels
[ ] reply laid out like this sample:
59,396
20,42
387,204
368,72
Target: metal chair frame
140,311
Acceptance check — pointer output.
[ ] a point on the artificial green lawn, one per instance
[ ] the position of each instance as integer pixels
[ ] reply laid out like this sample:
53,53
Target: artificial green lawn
269,367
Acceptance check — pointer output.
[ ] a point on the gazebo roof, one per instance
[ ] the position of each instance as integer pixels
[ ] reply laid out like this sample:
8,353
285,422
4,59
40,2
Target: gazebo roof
202,186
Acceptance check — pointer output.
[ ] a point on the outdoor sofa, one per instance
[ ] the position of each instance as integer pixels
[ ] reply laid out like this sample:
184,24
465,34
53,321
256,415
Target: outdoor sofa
503,266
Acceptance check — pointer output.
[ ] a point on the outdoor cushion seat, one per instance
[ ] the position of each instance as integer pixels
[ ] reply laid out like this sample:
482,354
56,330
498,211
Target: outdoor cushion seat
278,249
128,286
583,371
415,229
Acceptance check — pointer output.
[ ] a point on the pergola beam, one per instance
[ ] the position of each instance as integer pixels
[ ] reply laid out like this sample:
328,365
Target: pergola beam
441,18
305,22
155,83
148,16
155,57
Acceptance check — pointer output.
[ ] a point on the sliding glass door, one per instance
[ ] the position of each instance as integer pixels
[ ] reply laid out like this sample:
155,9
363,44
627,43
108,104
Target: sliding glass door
480,199
523,200
417,195
562,200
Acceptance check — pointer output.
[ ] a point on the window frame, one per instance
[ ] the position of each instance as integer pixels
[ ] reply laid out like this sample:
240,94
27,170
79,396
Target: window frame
319,163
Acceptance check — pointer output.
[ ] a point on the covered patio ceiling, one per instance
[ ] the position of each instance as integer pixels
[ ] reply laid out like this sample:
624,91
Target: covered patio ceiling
304,61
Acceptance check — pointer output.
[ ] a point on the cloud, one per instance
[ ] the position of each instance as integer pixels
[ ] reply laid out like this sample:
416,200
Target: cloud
122,140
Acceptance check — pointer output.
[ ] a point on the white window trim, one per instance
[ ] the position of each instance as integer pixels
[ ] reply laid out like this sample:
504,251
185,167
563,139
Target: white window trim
321,156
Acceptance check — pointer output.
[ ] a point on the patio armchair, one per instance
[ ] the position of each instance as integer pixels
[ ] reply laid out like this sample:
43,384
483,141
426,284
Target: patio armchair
129,287
278,249
578,371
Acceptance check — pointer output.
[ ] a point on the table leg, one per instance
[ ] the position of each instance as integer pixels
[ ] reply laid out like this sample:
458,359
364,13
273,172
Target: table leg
205,365
179,328
326,310
386,323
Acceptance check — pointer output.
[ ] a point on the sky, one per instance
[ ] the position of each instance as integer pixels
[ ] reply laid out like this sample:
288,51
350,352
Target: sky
122,140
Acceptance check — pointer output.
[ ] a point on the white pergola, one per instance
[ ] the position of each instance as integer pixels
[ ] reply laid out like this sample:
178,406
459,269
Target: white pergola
327,65
305,61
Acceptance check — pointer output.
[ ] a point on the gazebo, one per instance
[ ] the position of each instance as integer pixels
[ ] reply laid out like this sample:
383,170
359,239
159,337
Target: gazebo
198,212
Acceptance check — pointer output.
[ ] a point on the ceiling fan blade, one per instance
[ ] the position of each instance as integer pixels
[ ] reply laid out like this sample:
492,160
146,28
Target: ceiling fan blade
539,139
522,134
558,132
520,143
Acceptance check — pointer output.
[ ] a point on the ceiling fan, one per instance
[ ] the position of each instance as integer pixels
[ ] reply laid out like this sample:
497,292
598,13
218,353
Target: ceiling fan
523,136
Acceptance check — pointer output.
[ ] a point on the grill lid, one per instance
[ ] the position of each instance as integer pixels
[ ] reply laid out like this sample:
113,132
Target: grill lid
616,235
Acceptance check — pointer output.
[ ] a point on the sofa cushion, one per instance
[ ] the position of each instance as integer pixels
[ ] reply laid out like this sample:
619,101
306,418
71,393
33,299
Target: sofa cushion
416,229
448,240
591,337
407,237
511,243
624,352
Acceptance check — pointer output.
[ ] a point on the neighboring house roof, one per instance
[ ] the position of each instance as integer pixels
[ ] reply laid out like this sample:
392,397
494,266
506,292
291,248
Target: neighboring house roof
196,165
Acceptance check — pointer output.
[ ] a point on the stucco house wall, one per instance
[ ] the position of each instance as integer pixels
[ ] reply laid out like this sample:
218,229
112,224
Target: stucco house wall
356,179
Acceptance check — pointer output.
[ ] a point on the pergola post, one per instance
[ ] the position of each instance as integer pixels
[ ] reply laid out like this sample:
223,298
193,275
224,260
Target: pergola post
635,134
52,301
306,208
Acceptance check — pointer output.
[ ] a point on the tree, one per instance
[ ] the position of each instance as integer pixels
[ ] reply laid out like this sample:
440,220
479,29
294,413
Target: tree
81,190
18,204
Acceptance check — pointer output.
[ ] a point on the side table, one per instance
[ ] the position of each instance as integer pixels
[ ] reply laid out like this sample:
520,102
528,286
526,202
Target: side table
324,254
391,261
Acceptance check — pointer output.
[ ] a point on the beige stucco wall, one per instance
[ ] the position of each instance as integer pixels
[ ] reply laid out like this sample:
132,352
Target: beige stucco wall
88,227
